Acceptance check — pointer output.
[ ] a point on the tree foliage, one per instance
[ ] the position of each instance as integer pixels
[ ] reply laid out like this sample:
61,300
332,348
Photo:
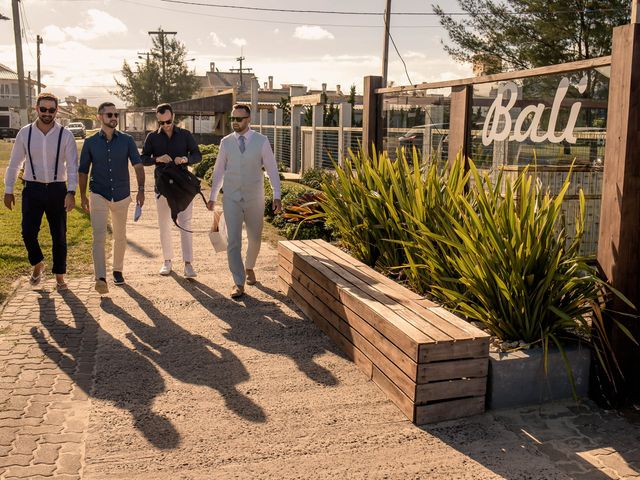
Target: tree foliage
159,78
519,34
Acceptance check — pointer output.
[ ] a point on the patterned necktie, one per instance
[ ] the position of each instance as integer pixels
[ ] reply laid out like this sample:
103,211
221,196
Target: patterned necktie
241,140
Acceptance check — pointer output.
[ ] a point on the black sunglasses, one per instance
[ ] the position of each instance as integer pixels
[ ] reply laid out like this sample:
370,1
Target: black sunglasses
112,114
165,122
237,119
45,110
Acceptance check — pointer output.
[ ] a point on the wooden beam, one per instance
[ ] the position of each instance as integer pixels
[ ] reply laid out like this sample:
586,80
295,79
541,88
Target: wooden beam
618,252
372,114
498,77
461,100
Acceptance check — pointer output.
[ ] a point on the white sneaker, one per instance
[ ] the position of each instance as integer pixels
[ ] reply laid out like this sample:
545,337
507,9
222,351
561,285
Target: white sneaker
166,268
189,272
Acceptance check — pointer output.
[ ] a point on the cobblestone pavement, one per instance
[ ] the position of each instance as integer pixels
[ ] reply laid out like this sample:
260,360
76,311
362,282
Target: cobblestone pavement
170,379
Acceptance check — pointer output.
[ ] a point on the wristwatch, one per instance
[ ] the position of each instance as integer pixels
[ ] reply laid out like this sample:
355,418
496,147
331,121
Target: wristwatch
72,192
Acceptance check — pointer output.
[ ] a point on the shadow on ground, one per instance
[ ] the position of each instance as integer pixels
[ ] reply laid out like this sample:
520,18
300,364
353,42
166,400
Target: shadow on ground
266,329
188,358
128,380
571,437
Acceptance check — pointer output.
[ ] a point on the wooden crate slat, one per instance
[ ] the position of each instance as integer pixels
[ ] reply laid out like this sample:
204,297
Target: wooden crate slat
433,372
348,320
391,303
364,271
405,404
397,376
450,410
359,358
478,348
414,311
391,325
430,392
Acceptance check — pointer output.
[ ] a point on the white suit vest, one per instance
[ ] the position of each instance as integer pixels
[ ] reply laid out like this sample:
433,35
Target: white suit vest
243,177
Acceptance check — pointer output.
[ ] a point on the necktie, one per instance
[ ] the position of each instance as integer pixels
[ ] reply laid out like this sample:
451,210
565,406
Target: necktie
241,141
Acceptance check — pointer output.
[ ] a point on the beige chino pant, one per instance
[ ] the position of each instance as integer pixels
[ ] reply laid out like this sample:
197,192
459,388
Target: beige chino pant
251,213
166,224
100,209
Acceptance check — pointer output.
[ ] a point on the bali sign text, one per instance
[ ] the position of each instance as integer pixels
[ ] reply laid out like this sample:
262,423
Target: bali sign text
498,124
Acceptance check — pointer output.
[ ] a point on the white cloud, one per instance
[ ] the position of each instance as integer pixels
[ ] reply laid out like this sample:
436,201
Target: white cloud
215,40
53,34
96,24
239,42
312,32
412,54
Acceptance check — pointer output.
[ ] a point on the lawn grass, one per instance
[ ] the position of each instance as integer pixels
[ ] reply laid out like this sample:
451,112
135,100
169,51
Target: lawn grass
13,255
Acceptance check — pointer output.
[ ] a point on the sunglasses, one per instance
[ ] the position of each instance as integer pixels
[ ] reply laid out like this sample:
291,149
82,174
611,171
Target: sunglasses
45,110
237,119
112,114
165,122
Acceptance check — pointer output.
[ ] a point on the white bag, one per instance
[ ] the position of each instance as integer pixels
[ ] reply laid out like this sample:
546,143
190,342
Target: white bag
218,232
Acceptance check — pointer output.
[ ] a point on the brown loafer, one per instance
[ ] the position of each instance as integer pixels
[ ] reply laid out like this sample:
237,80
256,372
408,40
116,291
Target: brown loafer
251,277
237,291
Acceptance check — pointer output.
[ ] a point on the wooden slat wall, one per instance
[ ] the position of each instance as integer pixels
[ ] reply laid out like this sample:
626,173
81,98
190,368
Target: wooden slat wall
420,355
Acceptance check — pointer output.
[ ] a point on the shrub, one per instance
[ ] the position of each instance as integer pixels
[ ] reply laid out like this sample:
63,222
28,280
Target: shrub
315,177
207,163
305,217
207,149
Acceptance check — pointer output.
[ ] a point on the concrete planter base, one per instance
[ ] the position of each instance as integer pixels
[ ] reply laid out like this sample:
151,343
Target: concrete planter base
518,378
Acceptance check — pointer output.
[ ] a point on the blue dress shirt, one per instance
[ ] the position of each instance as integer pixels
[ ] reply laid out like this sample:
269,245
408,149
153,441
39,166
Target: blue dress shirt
109,164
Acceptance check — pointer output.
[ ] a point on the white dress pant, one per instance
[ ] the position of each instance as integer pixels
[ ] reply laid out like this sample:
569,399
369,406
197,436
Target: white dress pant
100,208
251,213
165,223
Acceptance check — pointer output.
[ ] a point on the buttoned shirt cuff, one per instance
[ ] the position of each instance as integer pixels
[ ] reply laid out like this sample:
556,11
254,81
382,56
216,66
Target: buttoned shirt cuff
8,190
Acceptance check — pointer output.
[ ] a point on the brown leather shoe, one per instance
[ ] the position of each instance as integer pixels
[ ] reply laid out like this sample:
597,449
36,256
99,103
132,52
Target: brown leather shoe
237,291
251,277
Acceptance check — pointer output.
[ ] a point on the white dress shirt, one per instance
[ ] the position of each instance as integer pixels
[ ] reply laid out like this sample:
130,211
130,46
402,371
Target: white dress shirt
268,161
43,155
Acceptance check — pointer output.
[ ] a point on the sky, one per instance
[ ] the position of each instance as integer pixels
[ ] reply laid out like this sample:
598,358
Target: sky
86,41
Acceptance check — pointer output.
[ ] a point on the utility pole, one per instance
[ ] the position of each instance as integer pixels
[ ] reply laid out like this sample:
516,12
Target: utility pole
241,59
161,35
635,11
29,99
385,49
38,43
18,40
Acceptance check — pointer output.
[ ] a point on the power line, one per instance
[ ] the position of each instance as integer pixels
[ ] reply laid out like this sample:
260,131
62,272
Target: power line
343,12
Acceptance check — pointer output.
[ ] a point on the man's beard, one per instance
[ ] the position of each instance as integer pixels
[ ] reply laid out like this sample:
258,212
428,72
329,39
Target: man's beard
46,120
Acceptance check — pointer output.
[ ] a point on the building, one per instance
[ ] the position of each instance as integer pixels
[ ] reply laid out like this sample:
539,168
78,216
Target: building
9,96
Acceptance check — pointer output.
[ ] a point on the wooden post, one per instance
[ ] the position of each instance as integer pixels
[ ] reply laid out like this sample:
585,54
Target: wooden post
296,111
344,140
461,100
372,114
618,252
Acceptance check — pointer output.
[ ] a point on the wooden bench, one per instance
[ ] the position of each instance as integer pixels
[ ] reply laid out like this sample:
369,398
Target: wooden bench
429,362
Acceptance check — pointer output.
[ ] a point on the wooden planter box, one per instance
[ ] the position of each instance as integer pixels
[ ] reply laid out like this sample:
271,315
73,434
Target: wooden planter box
430,363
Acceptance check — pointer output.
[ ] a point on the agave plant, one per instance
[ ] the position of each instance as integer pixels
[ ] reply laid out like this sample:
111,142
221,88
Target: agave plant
517,269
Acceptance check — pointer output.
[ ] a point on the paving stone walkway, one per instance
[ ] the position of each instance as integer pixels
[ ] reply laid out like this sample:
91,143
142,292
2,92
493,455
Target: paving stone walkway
168,378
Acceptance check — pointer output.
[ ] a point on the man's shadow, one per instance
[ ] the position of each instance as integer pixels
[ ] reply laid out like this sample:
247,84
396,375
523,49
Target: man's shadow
264,327
187,357
126,379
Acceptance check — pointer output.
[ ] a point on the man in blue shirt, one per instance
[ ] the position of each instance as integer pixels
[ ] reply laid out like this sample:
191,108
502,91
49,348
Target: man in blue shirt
107,155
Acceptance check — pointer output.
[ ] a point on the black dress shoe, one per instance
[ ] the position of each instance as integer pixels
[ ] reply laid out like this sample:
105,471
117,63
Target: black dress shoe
118,279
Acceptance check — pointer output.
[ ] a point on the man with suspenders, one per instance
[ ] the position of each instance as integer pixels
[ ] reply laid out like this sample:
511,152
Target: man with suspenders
50,157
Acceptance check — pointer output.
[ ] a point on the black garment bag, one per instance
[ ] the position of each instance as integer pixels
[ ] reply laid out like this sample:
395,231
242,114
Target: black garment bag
179,186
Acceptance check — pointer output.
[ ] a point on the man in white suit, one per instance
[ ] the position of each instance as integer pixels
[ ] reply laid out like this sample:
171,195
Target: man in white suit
238,171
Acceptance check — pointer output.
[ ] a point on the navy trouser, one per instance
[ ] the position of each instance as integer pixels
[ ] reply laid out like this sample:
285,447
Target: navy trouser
45,199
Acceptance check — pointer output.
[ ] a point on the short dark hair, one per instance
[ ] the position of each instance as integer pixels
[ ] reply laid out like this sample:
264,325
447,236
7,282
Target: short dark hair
104,105
239,106
47,96
163,107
